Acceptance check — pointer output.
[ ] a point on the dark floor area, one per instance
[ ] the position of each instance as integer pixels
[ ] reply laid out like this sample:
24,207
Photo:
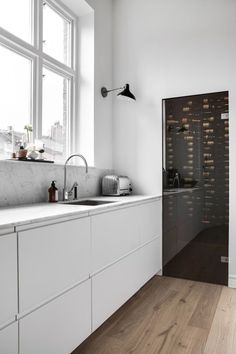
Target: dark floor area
200,260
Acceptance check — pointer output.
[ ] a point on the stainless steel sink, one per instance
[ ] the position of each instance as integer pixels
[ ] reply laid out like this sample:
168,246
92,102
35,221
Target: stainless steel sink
89,202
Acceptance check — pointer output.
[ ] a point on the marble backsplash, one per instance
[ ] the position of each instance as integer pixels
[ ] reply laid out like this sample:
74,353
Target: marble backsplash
28,182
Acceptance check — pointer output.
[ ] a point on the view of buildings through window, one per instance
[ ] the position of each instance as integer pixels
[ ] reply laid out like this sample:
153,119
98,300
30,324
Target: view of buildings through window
15,100
55,114
20,103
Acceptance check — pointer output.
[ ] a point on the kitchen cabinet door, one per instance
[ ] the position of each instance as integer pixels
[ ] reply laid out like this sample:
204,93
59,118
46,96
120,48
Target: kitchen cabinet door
59,326
150,220
8,278
9,339
114,234
52,259
149,261
112,287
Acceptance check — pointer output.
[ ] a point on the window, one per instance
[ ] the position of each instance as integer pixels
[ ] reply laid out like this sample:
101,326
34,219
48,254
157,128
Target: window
56,35
37,77
15,99
15,17
55,115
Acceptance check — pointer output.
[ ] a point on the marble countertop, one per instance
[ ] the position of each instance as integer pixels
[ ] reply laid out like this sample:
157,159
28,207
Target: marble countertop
35,213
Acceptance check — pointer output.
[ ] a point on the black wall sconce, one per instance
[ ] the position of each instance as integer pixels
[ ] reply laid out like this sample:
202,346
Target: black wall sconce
125,92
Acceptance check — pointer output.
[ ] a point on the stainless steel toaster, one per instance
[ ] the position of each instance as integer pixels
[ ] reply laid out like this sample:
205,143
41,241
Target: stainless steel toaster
116,185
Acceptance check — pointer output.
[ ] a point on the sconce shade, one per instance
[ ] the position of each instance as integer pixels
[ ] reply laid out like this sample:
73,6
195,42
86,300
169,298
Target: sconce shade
126,92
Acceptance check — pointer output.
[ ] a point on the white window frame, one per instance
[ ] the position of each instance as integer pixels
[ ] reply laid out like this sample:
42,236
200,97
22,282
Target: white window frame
39,59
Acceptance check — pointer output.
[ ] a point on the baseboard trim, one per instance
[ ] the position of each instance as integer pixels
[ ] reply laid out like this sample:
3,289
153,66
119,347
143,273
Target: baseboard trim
232,281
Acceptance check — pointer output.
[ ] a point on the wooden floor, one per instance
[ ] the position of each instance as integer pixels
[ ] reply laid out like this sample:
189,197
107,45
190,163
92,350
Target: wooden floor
170,316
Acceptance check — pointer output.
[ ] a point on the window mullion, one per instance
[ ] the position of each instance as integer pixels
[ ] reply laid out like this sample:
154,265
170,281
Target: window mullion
57,66
70,123
34,97
75,91
40,26
39,83
39,77
34,104
34,31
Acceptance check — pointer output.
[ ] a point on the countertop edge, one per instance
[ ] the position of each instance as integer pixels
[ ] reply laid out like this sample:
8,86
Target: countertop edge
80,212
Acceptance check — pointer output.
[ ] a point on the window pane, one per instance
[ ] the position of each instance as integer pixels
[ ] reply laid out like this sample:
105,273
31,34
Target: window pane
15,100
56,35
15,17
55,115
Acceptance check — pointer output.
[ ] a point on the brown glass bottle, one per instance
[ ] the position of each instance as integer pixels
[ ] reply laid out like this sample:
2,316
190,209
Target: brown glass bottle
53,193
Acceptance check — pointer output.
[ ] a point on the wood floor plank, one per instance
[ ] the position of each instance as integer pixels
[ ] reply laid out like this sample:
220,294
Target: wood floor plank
124,321
166,316
145,336
131,318
191,340
167,329
206,307
222,336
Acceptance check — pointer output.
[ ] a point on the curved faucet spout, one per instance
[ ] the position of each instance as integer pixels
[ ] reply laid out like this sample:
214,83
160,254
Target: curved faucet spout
65,192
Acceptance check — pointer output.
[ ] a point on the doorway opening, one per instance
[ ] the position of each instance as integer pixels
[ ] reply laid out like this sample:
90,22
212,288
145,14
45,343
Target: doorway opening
196,187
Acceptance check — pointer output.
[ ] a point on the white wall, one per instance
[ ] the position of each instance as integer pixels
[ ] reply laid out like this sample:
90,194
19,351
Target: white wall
166,49
101,17
102,77
84,125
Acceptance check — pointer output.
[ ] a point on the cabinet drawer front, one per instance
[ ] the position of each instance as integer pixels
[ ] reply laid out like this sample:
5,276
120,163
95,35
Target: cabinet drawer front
60,326
114,234
151,220
117,283
149,261
51,259
8,278
9,339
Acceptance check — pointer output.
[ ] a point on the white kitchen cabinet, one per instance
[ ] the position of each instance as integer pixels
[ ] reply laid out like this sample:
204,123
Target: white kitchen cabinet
60,326
150,220
112,287
114,234
8,278
150,261
63,296
52,259
9,339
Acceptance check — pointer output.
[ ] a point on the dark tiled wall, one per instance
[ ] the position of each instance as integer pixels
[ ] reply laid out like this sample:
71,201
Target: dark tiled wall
197,144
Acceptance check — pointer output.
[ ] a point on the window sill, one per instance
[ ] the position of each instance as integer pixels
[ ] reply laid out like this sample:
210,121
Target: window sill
42,163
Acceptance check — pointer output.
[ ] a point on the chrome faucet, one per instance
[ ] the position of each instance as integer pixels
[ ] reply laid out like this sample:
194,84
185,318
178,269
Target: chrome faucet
67,193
